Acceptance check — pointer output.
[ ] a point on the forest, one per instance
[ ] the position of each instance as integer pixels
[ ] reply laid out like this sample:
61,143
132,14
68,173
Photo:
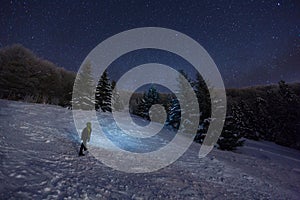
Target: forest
268,112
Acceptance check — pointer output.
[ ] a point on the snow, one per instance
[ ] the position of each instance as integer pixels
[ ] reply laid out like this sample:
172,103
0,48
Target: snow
39,160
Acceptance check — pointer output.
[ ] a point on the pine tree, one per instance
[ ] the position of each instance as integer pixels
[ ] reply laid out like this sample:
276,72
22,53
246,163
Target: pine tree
152,97
239,119
174,114
249,128
190,108
149,98
83,90
116,103
202,130
142,108
203,96
231,136
202,92
103,93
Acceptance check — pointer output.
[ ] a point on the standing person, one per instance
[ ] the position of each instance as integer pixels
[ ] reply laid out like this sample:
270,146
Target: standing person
85,137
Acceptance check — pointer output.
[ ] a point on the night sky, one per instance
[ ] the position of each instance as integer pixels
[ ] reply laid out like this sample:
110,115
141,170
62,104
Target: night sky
252,42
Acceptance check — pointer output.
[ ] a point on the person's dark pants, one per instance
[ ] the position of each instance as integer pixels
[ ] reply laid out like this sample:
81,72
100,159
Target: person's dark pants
82,147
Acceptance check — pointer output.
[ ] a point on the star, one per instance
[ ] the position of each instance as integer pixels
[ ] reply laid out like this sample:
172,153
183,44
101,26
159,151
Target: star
238,35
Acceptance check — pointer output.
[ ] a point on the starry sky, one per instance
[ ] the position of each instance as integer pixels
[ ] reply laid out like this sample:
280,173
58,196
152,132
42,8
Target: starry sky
252,42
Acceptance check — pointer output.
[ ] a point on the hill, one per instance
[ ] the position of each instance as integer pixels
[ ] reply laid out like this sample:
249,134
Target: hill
39,160
26,77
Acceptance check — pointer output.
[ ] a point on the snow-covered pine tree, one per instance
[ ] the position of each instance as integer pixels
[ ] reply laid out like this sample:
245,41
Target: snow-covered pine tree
142,108
152,97
203,96
239,119
103,93
184,92
202,92
149,98
231,136
116,103
249,128
229,139
83,91
174,114
202,130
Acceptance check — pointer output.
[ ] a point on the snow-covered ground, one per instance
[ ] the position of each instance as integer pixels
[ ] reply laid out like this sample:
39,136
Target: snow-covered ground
39,160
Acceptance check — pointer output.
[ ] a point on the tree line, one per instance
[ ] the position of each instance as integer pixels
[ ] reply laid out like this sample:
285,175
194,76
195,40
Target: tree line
260,113
269,113
28,78
265,112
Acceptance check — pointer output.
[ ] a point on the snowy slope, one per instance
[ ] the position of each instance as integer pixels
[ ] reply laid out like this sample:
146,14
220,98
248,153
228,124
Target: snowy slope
39,160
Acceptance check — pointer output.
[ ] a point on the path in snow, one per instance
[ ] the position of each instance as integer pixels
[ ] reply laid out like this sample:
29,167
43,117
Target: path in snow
38,159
